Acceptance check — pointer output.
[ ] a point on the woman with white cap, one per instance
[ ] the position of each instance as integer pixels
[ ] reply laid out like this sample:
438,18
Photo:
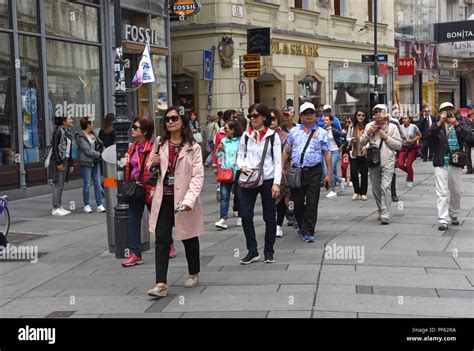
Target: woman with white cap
382,134
447,138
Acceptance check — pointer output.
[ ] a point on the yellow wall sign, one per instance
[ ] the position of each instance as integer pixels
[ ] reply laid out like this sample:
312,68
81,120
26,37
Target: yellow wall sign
287,48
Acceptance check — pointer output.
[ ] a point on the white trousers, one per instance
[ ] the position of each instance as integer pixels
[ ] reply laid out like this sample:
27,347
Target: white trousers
448,192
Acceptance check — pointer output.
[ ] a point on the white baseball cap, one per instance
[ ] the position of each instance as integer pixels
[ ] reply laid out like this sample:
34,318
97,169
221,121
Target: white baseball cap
307,106
380,106
327,107
445,104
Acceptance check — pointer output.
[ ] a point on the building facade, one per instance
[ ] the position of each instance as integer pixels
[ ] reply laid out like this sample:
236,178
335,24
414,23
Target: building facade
56,58
316,49
443,72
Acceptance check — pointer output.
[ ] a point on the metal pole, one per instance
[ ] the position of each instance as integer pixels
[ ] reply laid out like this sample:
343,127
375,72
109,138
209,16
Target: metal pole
240,79
122,127
376,94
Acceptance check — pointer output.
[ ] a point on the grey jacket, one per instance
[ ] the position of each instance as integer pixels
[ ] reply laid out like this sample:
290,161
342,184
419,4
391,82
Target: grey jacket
389,146
86,153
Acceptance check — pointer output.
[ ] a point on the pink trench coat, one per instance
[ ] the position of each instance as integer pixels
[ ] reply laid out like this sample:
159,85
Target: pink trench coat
188,182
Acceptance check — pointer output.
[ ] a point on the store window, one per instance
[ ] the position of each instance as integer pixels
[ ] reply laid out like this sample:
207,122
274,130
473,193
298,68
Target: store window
157,6
31,98
74,86
8,135
27,15
160,87
183,91
302,4
4,14
349,88
70,20
309,90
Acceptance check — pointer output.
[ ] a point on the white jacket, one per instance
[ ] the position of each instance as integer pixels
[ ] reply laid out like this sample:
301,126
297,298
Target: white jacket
391,144
251,155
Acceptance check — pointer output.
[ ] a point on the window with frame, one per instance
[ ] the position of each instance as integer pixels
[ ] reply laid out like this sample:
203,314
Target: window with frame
302,4
340,8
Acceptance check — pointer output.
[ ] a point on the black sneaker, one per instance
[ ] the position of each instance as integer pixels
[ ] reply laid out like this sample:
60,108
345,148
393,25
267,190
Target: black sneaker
269,259
454,221
251,257
443,226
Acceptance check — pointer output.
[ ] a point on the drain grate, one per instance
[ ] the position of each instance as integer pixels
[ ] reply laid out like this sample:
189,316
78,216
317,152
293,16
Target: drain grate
60,314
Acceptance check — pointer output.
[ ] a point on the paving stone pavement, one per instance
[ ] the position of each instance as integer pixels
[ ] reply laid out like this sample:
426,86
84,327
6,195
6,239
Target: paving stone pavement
406,269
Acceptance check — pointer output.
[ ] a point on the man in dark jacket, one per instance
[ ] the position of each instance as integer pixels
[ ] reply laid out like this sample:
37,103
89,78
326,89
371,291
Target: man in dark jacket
426,121
446,136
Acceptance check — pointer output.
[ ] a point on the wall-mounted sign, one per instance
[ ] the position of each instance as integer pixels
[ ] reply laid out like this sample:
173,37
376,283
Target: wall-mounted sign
298,49
141,35
207,65
258,41
237,11
454,31
406,66
185,8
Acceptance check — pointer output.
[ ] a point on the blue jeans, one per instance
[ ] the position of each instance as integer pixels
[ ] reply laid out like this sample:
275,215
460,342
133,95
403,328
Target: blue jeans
135,214
248,199
335,159
87,173
226,189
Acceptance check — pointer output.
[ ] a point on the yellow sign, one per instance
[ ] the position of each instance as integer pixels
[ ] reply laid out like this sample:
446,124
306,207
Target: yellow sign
251,65
251,57
298,49
251,74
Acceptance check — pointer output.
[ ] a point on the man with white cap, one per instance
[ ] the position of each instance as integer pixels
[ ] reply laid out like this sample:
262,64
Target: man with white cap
384,135
447,136
327,110
307,146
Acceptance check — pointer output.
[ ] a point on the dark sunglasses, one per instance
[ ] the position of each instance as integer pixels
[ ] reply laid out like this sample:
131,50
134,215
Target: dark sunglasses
135,127
309,113
254,115
171,118
361,115
274,118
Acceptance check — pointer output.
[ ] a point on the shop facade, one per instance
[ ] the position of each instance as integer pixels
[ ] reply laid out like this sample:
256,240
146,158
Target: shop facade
315,56
56,59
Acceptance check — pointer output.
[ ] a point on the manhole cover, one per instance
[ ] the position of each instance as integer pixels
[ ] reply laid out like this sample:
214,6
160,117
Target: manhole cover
16,238
60,314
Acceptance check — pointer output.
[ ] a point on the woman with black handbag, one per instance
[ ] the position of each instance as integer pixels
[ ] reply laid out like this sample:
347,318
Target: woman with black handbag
447,138
228,170
137,174
260,155
176,199
385,140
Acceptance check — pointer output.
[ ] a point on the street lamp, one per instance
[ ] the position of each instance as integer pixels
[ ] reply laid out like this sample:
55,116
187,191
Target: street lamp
121,127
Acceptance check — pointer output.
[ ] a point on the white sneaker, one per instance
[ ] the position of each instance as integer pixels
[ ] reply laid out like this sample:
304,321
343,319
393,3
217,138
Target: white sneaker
279,232
221,224
101,209
364,198
58,212
331,194
350,184
65,211
239,222
410,185
355,197
87,209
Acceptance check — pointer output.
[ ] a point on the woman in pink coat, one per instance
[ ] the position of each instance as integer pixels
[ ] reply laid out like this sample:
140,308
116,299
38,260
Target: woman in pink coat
176,200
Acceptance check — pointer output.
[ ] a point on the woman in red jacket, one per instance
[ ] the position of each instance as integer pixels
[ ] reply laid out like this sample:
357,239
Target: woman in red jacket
138,154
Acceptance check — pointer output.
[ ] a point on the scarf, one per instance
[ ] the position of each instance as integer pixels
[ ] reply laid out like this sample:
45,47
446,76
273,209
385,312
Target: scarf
62,147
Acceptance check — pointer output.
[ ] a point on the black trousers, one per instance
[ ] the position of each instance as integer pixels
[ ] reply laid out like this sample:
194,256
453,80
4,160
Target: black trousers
426,151
281,211
164,238
306,199
359,165
468,147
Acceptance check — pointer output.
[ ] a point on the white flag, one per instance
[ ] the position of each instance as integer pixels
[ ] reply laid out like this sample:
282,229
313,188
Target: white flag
145,73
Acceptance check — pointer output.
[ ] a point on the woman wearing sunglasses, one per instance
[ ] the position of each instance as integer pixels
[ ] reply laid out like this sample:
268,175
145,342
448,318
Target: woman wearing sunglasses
176,201
251,153
358,155
139,153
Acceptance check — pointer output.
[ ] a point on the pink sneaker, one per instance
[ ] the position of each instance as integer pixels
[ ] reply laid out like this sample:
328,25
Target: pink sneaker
172,252
132,261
